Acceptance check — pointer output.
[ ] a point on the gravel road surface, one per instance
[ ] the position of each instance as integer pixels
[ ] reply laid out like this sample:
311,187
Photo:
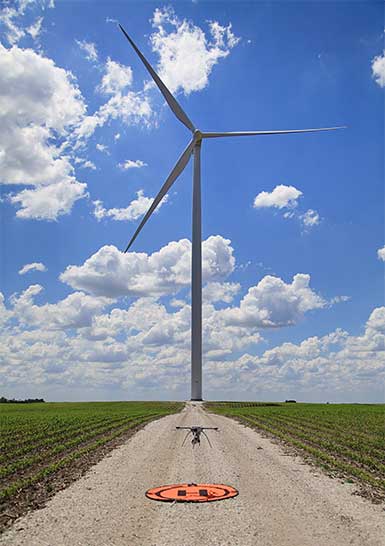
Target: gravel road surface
281,501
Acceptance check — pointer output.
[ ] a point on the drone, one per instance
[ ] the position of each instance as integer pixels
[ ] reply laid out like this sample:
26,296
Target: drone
196,434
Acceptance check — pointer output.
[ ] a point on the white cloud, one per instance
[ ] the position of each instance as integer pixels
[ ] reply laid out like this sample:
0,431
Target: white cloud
137,208
217,291
381,253
39,91
12,11
116,78
187,55
281,197
89,165
132,164
273,303
110,272
339,299
310,218
39,105
147,347
48,202
35,266
75,311
13,32
337,364
35,29
286,197
102,148
75,343
378,69
129,107
89,49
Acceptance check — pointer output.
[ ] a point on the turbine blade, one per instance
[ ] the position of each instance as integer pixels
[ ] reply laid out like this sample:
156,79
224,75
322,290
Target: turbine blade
178,168
256,133
170,99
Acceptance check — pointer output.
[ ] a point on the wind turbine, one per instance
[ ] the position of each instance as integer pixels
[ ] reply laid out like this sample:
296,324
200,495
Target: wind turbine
194,148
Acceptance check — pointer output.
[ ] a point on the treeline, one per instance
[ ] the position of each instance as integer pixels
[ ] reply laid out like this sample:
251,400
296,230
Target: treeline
4,400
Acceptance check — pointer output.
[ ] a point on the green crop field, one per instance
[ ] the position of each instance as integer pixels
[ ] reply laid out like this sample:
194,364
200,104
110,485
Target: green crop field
347,438
43,441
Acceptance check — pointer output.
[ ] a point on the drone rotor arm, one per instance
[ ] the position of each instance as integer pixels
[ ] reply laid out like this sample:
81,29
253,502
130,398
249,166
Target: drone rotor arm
183,428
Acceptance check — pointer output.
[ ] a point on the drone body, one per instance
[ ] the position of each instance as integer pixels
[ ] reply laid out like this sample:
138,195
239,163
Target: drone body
196,432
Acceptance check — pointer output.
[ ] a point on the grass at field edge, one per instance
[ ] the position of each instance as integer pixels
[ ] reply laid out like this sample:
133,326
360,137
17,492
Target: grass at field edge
35,495
330,467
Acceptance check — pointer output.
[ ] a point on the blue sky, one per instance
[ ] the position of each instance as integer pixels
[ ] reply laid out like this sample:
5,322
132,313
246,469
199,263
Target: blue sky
292,224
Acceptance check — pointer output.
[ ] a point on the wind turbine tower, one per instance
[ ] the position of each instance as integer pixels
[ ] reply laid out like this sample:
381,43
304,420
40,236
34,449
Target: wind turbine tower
194,148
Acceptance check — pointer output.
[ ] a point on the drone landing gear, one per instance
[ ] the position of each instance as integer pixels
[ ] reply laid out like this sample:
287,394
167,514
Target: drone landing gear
196,434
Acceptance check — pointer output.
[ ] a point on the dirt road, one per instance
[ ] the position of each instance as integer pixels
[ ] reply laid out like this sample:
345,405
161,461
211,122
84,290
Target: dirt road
282,501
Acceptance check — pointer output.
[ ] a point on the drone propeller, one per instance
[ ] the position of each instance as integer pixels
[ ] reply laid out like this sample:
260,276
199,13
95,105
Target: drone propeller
197,428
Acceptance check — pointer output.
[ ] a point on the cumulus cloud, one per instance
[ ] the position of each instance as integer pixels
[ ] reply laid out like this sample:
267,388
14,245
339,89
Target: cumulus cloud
378,69
112,273
35,266
147,347
116,78
132,164
274,303
89,48
220,291
337,363
186,54
48,202
281,197
286,197
137,208
145,344
381,253
75,311
40,104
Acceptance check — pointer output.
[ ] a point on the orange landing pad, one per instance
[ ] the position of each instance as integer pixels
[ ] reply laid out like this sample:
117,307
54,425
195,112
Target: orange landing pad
192,492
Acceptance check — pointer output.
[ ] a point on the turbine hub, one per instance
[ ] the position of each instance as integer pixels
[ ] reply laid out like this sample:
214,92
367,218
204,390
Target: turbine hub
197,135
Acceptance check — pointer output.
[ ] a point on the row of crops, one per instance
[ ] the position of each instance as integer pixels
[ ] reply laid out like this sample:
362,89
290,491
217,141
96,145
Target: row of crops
348,438
38,440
